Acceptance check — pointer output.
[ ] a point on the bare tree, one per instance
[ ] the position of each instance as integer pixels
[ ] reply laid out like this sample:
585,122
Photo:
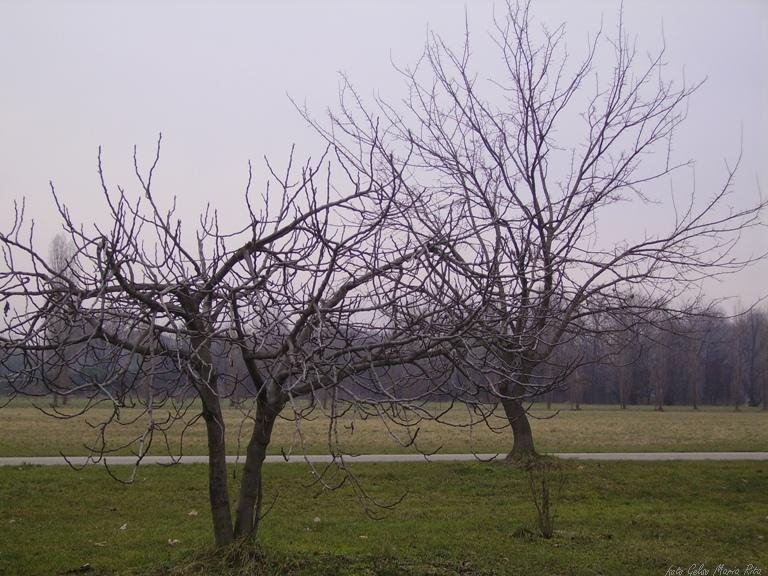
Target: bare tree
306,293
521,171
755,341
659,369
61,254
694,369
577,386
737,347
626,358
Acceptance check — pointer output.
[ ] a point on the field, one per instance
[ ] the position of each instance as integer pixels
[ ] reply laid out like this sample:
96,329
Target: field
25,431
465,519
612,518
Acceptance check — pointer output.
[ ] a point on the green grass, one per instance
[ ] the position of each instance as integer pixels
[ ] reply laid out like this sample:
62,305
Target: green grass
458,518
25,431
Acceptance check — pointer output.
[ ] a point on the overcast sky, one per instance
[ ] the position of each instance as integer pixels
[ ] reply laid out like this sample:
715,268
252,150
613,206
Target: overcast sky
214,78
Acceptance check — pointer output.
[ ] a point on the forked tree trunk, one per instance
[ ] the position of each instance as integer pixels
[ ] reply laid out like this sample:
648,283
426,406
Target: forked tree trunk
522,447
250,502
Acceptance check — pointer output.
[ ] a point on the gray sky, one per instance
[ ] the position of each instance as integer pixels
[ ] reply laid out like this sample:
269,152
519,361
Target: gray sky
213,77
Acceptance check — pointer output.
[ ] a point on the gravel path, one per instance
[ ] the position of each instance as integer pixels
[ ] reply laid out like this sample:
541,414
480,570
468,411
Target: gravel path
322,458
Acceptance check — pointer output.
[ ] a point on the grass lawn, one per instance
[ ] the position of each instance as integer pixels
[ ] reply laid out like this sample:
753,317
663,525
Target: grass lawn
457,518
25,431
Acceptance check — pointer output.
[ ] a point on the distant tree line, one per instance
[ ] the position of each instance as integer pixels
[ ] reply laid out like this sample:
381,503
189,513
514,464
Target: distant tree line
710,359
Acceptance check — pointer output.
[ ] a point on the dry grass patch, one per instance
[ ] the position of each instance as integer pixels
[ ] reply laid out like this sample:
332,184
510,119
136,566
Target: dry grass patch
25,431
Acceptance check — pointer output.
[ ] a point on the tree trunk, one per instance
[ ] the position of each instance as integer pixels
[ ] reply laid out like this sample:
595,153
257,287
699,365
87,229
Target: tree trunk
217,467
623,401
623,387
695,398
696,383
738,366
752,377
62,382
576,390
522,448
207,386
693,371
251,493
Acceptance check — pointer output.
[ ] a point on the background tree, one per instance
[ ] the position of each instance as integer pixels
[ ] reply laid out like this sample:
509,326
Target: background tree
737,348
754,342
694,369
522,171
61,254
658,358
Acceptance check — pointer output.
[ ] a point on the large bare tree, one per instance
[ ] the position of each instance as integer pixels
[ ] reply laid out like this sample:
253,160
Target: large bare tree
305,294
522,170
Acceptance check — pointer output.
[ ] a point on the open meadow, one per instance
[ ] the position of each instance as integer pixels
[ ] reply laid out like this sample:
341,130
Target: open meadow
25,431
455,518
247,233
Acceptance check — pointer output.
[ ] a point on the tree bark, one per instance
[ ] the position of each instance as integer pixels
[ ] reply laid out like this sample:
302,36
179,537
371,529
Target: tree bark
251,493
522,448
217,470
218,491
